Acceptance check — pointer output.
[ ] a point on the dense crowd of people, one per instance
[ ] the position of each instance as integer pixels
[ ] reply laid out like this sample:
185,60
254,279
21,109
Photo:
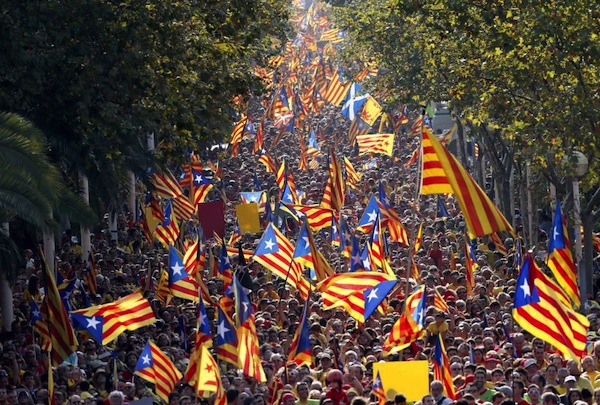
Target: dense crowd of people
491,359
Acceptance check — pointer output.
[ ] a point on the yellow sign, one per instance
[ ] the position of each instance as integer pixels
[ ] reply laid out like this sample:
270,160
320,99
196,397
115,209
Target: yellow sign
410,378
247,215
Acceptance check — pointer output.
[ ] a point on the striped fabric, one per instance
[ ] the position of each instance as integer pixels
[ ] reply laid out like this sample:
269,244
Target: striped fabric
409,327
345,290
378,390
157,368
128,313
441,174
441,368
352,176
335,189
62,337
560,259
227,341
300,348
317,217
166,185
542,308
167,232
274,252
259,139
248,344
89,276
182,207
269,163
375,143
337,90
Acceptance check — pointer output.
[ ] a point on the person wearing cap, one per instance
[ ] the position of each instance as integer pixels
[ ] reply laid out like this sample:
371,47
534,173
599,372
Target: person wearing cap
570,383
288,399
531,366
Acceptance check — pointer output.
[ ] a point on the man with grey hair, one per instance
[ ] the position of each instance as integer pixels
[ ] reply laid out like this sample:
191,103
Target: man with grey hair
116,398
437,391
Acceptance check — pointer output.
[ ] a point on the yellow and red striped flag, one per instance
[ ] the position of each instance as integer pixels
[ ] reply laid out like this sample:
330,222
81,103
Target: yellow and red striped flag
409,327
378,390
269,163
259,139
62,337
345,290
375,143
353,177
317,217
560,259
274,252
106,322
157,368
166,185
441,368
419,238
167,231
442,173
542,308
335,189
248,344
337,90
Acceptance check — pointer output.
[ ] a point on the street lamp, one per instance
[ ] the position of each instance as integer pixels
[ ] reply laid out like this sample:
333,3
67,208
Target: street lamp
580,167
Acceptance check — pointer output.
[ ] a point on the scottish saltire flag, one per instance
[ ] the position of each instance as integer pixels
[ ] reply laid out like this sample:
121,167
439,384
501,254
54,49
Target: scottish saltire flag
354,101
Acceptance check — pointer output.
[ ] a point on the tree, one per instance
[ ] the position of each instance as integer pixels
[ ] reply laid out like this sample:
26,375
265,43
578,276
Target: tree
97,77
523,75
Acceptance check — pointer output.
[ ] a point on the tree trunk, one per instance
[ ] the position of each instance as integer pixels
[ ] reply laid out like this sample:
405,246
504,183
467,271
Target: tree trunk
586,265
131,200
462,148
85,232
6,301
112,226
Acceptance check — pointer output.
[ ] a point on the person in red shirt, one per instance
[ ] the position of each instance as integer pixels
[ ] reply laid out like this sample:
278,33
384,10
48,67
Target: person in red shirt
335,391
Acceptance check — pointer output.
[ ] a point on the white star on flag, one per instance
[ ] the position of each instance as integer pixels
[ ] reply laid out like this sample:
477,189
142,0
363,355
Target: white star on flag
372,295
269,244
177,268
146,359
305,238
92,322
372,216
222,330
526,289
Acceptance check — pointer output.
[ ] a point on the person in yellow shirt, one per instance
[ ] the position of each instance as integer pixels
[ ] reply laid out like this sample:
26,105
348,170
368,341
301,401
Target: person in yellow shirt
589,369
269,292
440,326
